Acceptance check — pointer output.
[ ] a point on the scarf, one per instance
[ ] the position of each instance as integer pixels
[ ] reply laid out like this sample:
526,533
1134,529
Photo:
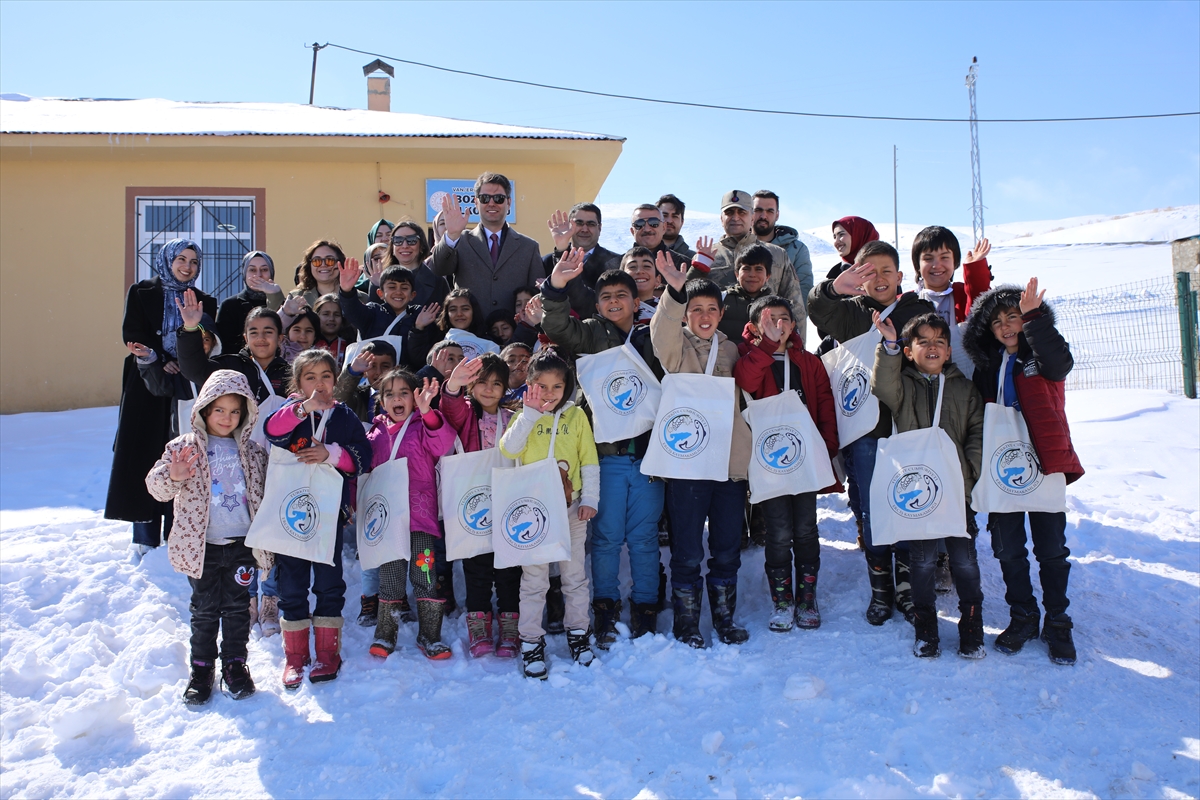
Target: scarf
257,298
173,289
861,231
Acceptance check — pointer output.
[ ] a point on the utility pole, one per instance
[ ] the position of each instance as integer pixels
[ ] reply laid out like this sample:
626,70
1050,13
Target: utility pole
895,215
976,183
312,86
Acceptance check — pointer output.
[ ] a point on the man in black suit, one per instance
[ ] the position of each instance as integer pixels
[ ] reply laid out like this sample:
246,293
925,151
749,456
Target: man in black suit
580,227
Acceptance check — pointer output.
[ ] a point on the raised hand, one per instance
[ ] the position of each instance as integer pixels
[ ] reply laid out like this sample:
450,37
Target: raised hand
533,399
318,401
293,305
428,316
854,279
316,454
441,361
464,374
706,247
560,228
349,271
884,326
978,252
1031,299
362,362
568,267
264,285
456,222
675,277
429,390
190,309
182,463
770,326
139,350
533,311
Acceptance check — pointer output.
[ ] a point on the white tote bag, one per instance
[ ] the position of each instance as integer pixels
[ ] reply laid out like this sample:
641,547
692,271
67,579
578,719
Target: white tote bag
788,454
384,523
529,521
917,489
466,500
298,516
471,344
1012,478
622,391
184,410
266,408
693,433
849,366
397,342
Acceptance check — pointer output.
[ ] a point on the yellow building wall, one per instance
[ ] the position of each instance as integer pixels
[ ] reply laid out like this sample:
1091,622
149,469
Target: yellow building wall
63,240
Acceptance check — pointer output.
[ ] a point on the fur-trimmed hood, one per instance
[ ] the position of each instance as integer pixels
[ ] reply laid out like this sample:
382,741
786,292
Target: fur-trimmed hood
977,338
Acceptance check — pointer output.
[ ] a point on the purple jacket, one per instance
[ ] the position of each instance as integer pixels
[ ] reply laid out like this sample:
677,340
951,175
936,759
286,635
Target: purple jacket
426,439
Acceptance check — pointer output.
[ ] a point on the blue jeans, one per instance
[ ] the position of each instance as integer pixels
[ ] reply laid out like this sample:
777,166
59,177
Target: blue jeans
153,533
690,503
370,582
630,506
1049,534
851,482
296,576
862,468
964,568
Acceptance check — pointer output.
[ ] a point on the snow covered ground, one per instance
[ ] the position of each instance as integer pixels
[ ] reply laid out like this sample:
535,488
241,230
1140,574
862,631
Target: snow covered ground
93,661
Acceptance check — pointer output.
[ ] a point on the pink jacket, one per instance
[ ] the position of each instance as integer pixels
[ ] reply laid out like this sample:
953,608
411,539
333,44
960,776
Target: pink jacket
460,413
424,442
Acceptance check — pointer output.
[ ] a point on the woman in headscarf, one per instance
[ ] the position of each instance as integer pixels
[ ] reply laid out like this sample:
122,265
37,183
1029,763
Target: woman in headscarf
849,235
152,319
380,233
258,271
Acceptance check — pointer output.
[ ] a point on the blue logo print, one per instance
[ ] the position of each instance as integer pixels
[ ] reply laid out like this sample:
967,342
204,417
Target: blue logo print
623,391
1015,468
915,492
525,523
375,519
299,514
685,433
780,450
853,389
475,511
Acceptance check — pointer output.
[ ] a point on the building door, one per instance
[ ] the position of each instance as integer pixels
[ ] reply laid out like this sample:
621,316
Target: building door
222,226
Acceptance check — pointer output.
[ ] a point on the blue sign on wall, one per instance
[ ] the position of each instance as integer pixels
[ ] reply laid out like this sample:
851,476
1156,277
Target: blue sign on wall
464,192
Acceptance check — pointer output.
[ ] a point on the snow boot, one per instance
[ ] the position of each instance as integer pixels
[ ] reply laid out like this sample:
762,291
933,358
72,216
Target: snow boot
533,659
429,634
686,605
387,626
1021,628
883,588
406,612
235,679
643,619
943,581
295,651
327,633
580,642
970,631
368,614
607,612
1056,632
200,684
510,639
780,584
722,602
268,616
904,601
253,610
808,616
556,607
445,592
479,634
927,644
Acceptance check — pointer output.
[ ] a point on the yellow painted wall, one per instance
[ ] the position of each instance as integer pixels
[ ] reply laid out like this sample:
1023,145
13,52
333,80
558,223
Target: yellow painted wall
63,226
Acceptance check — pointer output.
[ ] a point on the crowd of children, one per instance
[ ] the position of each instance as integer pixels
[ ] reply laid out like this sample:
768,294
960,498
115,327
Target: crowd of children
368,367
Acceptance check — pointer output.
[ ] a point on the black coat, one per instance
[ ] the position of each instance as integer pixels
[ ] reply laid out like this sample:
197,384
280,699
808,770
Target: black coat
196,366
582,290
231,318
144,421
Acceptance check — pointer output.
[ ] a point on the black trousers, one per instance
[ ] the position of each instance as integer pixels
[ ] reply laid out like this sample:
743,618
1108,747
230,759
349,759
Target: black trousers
221,599
481,574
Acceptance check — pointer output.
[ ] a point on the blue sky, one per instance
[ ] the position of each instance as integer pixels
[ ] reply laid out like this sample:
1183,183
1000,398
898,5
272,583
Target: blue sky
901,59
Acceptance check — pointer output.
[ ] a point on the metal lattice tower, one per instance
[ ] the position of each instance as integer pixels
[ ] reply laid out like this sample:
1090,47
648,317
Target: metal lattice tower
976,183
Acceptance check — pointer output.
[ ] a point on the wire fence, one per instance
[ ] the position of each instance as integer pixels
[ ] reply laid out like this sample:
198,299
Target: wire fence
1124,336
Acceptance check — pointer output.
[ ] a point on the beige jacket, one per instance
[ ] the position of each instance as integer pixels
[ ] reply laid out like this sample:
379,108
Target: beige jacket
680,350
782,281
186,545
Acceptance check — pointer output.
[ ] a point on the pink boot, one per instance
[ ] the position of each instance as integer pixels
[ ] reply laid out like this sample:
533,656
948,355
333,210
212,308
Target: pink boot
328,634
510,640
479,633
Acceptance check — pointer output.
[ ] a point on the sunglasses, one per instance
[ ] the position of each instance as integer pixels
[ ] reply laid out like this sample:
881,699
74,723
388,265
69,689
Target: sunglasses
408,240
653,222
488,199
329,261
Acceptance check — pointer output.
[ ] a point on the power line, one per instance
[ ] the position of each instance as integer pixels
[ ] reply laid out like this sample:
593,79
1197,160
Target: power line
740,108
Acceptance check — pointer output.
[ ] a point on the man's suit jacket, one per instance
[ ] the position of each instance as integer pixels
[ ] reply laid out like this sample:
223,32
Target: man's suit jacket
470,264
581,292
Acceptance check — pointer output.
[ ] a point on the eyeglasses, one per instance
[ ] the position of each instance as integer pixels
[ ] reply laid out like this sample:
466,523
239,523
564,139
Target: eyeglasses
488,199
408,240
586,223
329,261
653,222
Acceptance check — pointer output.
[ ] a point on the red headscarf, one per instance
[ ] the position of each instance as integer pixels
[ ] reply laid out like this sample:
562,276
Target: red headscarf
861,231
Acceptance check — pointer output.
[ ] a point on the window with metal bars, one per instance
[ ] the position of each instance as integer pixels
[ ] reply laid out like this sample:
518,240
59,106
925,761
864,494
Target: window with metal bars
222,226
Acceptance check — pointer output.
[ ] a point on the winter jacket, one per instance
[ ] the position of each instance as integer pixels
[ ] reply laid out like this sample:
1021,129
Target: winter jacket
911,397
349,450
977,279
754,373
351,390
463,415
1042,362
782,280
737,311
427,437
469,262
681,351
144,420
582,289
428,288
681,247
528,435
192,497
231,316
797,253
196,366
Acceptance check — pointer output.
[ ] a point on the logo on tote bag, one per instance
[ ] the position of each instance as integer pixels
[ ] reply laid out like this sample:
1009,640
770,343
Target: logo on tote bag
853,389
1015,468
623,391
375,519
475,511
685,433
915,492
780,450
525,523
300,515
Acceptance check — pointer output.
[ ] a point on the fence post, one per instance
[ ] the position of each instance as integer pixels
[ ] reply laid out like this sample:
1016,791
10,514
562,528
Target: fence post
1186,301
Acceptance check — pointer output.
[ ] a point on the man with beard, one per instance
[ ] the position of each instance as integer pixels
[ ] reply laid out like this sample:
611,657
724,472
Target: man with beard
672,208
764,218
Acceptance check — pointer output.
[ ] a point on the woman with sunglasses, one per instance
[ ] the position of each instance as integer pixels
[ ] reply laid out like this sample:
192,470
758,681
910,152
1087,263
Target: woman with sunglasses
317,276
410,250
